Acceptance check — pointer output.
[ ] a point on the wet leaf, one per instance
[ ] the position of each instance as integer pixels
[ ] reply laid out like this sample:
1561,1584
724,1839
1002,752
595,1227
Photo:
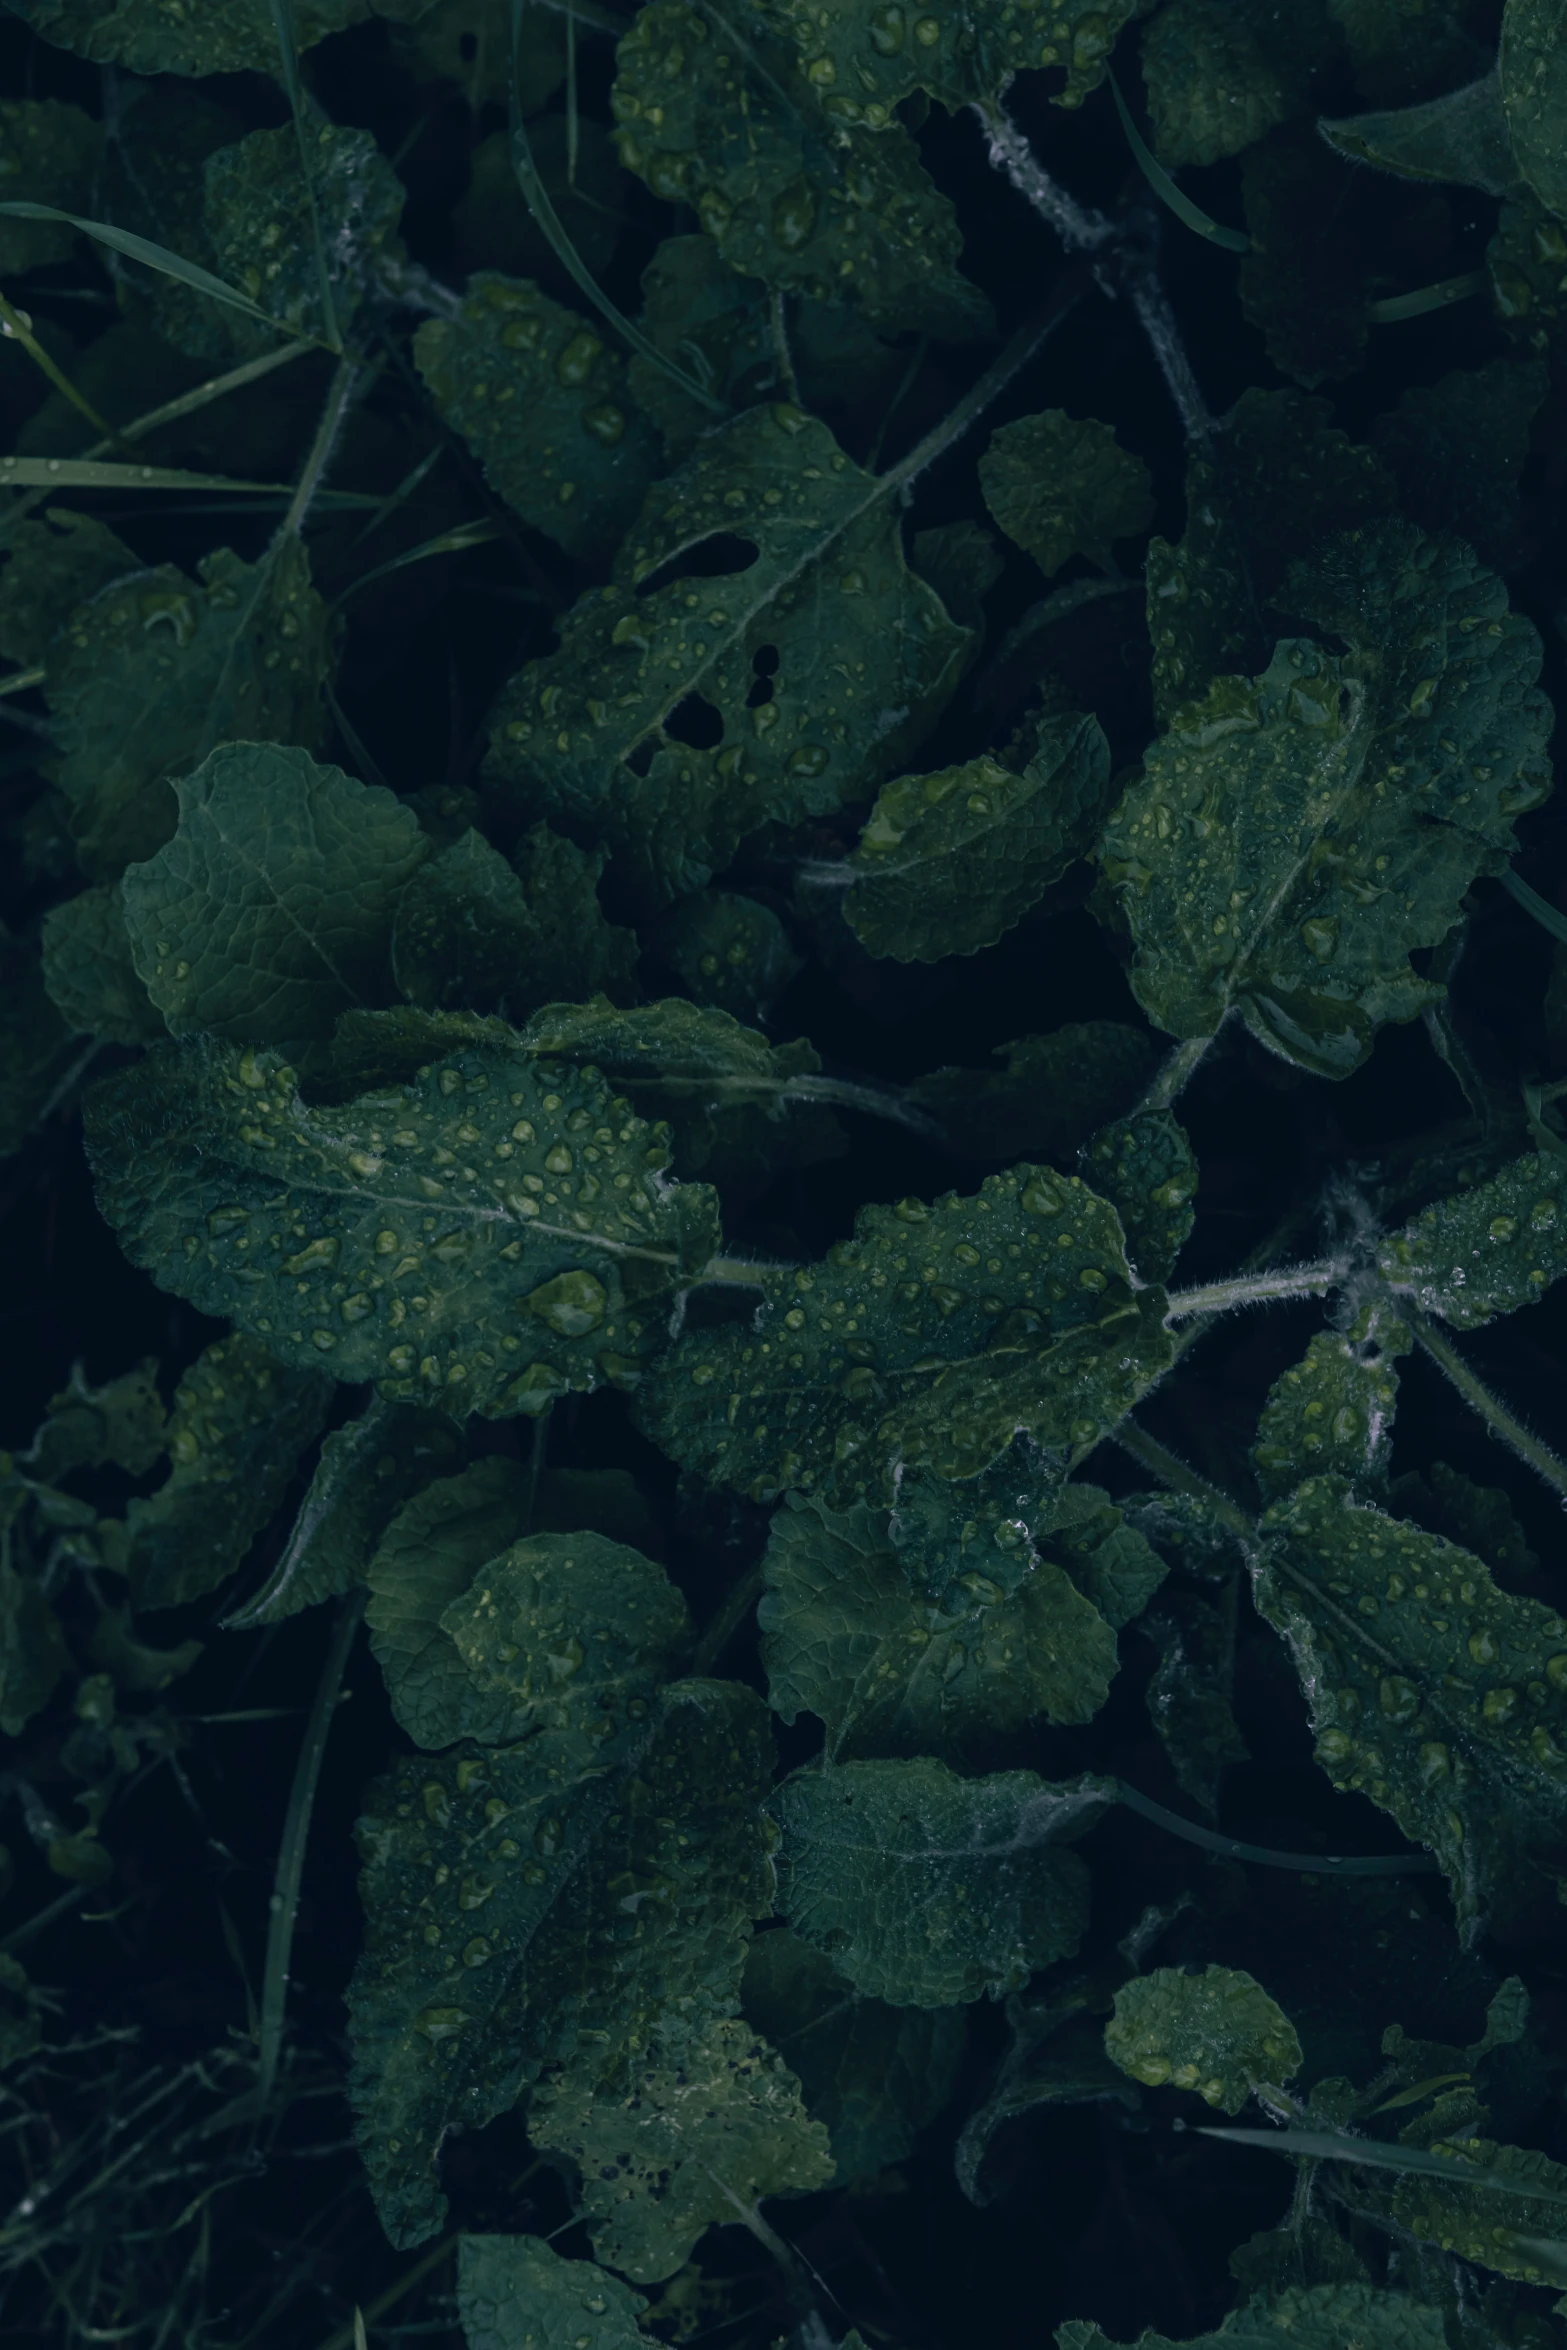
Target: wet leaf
1217,2033
1332,1413
729,951
1146,1167
1532,71
1220,74
258,216
1062,485
54,561
517,2291
475,932
863,60
1486,1251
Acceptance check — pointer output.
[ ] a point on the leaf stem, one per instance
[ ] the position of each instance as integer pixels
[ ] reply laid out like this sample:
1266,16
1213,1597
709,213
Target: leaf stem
1503,1424
1174,1074
1080,228
991,384
1173,1471
1255,1289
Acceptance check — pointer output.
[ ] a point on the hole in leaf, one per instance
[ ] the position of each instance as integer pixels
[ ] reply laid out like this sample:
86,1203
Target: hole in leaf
764,662
695,721
717,557
468,47
640,759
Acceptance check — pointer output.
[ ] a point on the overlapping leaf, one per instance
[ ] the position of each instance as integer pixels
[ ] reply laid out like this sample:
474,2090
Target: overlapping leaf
1146,1167
1222,73
263,221
1486,1251
475,932
89,972
1331,1415
1052,1094
1314,2317
1460,137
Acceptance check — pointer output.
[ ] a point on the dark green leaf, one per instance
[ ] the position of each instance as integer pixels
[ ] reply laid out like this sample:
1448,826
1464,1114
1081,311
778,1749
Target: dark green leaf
33,1653
517,2293
89,971
1486,1251
1216,2033
1146,1167
1332,1414
1220,74
1458,447
49,153
257,211
35,1042
1188,1697
1062,485
53,563
1051,1095
428,1556
471,933
1304,282
223,36
728,951
863,60
1460,137
1532,69
1056,2057
122,1422
1313,2317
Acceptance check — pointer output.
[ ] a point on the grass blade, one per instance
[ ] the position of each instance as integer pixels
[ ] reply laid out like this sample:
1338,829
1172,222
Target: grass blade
92,473
1233,240
1547,915
1441,296
151,256
288,50
1374,2154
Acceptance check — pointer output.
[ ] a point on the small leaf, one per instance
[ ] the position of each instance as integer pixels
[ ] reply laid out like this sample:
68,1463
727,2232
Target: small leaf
1188,1697
270,911
473,932
258,215
1527,264
89,971
1146,1167
729,951
1217,2033
1486,1251
1112,1562
428,1556
33,1653
929,1890
544,405
1061,486
54,562
874,2074
1332,1414
122,1422
947,863
517,2293
711,323
708,2125
1460,138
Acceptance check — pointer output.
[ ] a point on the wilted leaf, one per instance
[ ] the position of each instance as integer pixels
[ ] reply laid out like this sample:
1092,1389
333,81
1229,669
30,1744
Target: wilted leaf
1460,137
514,2292
926,1889
88,970
1062,485
947,863
1146,1167
1217,2033
1486,1251
396,1258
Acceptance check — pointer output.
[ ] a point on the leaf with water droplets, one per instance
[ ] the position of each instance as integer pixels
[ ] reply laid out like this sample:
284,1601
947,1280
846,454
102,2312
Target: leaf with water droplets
724,120
1217,2033
706,2125
1332,1414
54,562
270,911
863,58
518,2293
1518,2235
1146,1167
543,403
1295,837
463,1238
1062,485
1111,1561
1434,1692
682,712
728,951
947,863
874,2074
929,1340
1486,1251
1222,73
518,1919
849,1633
929,1890
1311,2317
476,933
270,244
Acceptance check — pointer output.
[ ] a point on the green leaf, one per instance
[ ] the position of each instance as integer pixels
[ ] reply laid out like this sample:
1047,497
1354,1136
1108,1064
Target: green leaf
530,1900
1112,1562
929,1890
1486,1251
1527,264
1295,837
154,208
848,1633
33,1653
960,1537
726,122
270,911
427,1558
948,863
1188,1697
257,211
517,2293
728,951
22,2010
471,933
49,152
1532,70
1431,1690
1217,2033
224,36
714,326
1304,281
1460,138
874,2074
470,41
863,60
545,407
366,1471
1412,49
240,1422
53,563
1146,1167
1480,1518
451,1238
1457,448
1220,74
1515,2234
1052,1094
88,970
1311,2317
1062,485
34,1042
709,2126
858,654
122,1422
156,670
1331,1415
929,1340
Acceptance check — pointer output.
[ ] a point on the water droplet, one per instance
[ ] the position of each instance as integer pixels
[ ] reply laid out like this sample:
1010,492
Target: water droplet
572,1304
575,363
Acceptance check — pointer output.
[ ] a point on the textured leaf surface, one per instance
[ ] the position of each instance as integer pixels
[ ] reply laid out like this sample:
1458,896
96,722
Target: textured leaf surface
1515,2234
523,1952
858,652
258,215
1331,1415
1457,448
122,1422
1218,2033
1112,1562
224,36
54,562
543,403
848,1633
1146,1167
517,2293
157,670
729,951
1532,71
1063,485
427,1558
1051,1095
461,1237
729,125
48,154
713,2125
270,911
930,1339
475,932
1222,73
926,1889
1315,2317
1460,137
863,60
949,862
88,970
874,2074
1431,1690
240,1421
1294,837
1486,1251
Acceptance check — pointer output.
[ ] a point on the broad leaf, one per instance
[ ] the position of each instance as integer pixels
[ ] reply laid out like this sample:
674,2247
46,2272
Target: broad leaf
863,60
270,911
874,2074
1331,1415
856,653
544,405
1294,837
89,972
517,2291
947,863
223,36
240,1422
259,218
1062,485
1460,137
729,951
1146,1167
462,1237
1437,1694
1222,73
1112,1562
929,1340
724,120
1486,1251
926,1889
1217,2033
708,2126
1304,281
1532,71
1052,1094
498,1936
848,1632
473,933
1517,2235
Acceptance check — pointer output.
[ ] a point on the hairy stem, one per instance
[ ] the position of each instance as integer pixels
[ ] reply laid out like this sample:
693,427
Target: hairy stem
1503,1424
1174,1074
1080,228
1255,1289
1171,1470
